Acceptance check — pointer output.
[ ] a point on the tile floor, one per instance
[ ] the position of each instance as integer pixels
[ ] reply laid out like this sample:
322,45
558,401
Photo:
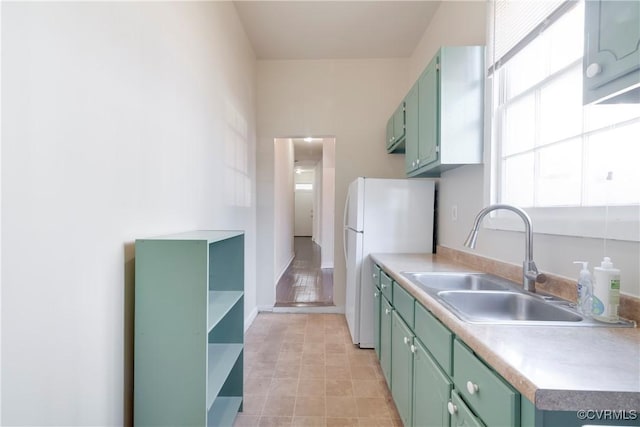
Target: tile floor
303,370
304,283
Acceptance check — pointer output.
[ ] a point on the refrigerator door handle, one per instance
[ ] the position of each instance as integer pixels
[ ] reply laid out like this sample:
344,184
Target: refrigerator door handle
344,224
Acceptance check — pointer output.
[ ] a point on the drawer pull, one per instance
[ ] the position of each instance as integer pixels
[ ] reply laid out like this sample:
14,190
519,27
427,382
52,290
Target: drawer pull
406,340
375,276
413,348
472,388
382,286
375,294
452,408
387,311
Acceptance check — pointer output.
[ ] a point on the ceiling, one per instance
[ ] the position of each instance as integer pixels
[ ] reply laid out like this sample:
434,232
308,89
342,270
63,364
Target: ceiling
307,154
335,29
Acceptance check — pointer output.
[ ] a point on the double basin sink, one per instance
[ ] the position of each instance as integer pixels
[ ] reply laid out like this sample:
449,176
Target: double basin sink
485,298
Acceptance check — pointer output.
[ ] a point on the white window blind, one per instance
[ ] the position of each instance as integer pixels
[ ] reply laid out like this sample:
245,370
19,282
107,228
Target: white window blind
513,23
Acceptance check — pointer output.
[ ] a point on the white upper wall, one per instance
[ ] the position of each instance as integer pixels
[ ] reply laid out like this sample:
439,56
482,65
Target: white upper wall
120,121
284,178
348,99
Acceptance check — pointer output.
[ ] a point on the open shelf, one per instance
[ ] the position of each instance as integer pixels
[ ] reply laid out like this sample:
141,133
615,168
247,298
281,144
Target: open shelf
221,359
220,302
223,411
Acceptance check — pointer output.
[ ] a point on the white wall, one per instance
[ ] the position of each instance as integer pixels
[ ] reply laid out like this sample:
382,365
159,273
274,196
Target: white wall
329,214
283,207
458,23
120,120
317,203
348,99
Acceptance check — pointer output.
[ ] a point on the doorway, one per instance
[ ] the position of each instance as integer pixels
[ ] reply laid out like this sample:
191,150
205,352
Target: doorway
305,204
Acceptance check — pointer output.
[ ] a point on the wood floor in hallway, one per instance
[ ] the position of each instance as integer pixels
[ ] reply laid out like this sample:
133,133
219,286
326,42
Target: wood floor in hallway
304,283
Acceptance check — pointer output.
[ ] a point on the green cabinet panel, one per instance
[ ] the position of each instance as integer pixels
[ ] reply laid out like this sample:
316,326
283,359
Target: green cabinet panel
189,328
386,315
611,62
461,415
450,113
431,390
386,286
403,302
402,367
411,125
437,337
490,396
377,298
396,130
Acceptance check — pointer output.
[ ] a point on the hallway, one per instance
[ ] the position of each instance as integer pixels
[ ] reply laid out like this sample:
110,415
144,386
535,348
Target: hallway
304,283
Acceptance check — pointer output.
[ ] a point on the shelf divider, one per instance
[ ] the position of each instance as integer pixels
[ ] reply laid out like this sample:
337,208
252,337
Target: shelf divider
220,302
221,358
223,411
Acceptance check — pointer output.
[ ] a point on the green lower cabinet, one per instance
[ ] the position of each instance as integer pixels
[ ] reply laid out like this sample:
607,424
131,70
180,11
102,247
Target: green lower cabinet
532,417
431,390
386,312
461,415
402,367
377,297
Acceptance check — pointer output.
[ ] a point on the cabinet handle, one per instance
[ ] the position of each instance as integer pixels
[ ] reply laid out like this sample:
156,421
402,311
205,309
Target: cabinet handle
472,388
452,408
593,70
382,286
418,161
413,348
406,340
375,275
375,294
387,311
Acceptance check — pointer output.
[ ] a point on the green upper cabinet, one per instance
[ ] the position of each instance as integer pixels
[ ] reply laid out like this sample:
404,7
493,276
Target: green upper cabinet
449,115
611,61
411,124
396,130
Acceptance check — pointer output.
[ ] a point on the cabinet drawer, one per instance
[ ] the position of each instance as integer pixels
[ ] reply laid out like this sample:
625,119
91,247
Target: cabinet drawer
376,276
461,415
386,286
495,401
435,336
403,303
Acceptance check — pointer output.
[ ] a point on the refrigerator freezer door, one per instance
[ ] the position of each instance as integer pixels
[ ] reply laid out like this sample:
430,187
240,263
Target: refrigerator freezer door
353,250
354,206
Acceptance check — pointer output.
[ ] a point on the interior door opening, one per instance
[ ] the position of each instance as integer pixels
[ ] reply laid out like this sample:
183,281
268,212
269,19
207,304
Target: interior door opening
304,191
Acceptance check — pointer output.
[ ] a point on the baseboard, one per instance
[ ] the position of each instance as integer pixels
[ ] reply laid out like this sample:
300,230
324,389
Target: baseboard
264,308
328,265
250,318
328,309
293,255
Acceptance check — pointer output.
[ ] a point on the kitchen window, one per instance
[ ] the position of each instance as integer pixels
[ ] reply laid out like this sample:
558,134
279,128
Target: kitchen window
574,168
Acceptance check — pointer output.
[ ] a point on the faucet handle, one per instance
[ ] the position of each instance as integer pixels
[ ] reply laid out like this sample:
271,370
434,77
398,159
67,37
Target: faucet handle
541,278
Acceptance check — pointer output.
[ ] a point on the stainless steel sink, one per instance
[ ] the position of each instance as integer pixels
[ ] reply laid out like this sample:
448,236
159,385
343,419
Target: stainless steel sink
436,282
485,298
505,307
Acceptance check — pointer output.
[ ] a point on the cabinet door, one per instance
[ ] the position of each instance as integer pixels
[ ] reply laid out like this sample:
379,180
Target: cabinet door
402,367
390,132
398,123
385,339
431,390
612,50
428,101
411,132
461,415
377,296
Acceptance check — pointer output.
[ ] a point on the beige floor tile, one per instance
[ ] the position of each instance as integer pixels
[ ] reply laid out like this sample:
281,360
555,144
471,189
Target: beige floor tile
287,370
283,387
290,356
332,347
243,420
311,387
378,422
310,406
368,388
342,422
336,359
309,422
256,385
339,388
363,373
252,404
372,407
279,406
292,346
337,373
343,407
269,421
309,372
313,347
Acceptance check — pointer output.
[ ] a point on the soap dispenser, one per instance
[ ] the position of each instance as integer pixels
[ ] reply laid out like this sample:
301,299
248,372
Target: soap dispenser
585,290
606,291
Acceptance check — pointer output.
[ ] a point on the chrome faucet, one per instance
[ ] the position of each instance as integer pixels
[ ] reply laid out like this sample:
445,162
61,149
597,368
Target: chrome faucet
530,273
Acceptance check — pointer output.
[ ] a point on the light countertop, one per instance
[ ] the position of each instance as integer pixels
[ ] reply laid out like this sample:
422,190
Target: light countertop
559,368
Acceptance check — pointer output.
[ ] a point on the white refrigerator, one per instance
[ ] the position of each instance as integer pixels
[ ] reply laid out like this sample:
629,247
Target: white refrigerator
381,215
